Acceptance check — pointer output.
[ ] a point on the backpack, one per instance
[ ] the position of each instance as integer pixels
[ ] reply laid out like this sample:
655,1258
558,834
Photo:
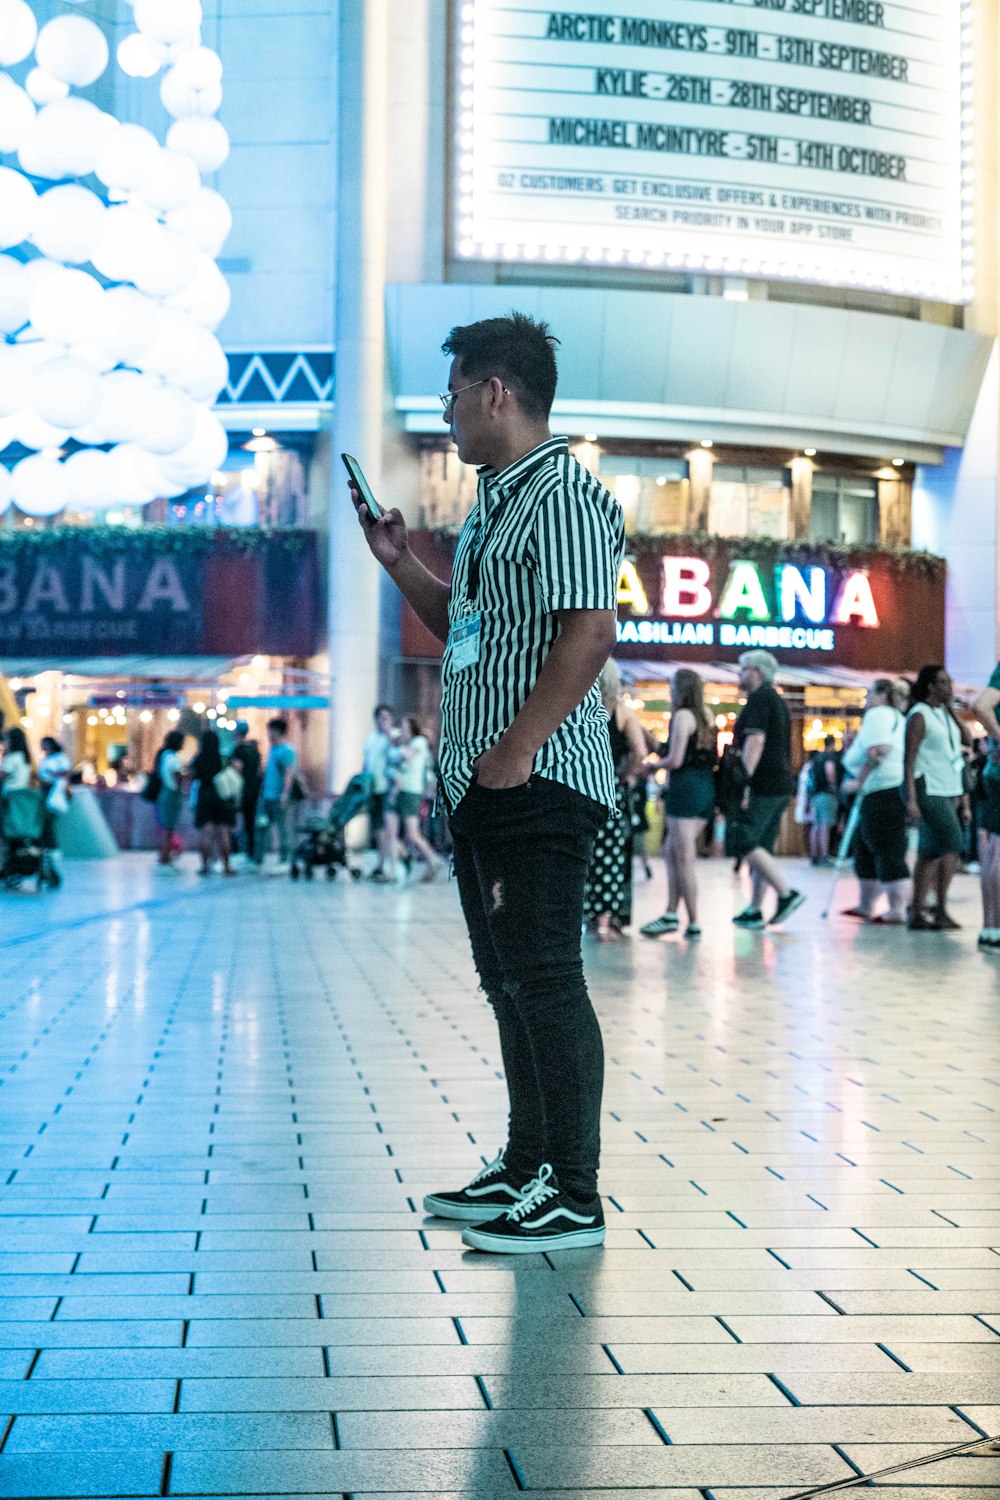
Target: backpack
154,784
731,781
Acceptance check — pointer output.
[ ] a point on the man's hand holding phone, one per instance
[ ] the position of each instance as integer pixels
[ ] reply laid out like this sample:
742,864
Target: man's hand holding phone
386,537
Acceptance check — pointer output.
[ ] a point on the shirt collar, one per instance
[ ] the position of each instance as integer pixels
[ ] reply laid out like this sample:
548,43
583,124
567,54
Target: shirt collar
500,485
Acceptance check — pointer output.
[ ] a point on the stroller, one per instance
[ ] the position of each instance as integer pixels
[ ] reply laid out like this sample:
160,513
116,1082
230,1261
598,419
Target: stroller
322,845
25,852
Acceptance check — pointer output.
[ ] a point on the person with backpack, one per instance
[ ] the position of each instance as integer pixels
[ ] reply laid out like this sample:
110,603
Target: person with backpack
246,757
825,775
163,789
762,738
218,795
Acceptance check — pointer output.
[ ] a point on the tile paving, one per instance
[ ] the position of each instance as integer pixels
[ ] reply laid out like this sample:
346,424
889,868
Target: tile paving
221,1104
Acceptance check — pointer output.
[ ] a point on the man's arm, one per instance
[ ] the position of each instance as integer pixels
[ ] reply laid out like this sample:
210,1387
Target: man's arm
586,640
427,596
985,709
752,749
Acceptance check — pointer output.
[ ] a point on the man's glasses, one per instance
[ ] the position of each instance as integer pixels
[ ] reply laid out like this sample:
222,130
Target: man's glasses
448,398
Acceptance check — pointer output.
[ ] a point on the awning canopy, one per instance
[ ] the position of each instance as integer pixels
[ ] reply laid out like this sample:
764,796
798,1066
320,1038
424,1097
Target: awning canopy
728,672
174,669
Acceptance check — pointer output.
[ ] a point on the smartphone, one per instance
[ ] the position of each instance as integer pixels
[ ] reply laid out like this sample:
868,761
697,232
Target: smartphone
360,483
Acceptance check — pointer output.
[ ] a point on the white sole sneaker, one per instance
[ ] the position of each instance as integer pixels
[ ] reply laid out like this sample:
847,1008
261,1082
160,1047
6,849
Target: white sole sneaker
501,1244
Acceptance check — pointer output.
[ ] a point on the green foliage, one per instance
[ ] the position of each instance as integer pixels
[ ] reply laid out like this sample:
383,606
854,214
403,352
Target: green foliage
154,541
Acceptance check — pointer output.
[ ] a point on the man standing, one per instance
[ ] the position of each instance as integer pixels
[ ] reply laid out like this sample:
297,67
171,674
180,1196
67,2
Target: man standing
276,792
246,758
763,736
525,761
376,769
824,800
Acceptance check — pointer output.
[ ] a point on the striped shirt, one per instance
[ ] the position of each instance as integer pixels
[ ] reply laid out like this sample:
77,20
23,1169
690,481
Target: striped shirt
547,536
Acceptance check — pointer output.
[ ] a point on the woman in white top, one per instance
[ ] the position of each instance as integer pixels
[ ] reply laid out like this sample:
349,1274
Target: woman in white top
411,786
932,772
15,769
874,765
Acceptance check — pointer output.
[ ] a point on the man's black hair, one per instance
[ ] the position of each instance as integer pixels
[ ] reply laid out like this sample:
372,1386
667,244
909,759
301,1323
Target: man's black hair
519,350
280,726
384,708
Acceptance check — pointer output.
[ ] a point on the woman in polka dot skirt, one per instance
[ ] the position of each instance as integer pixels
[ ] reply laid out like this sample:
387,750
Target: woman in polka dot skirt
607,906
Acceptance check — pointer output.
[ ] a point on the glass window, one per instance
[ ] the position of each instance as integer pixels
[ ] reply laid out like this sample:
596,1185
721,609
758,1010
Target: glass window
844,509
749,502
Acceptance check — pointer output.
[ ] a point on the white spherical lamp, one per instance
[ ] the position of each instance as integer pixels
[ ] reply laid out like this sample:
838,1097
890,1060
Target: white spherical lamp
39,486
72,49
172,182
131,323
65,392
6,491
180,99
206,221
136,477
198,67
169,21
68,307
140,57
18,206
128,158
14,373
32,431
17,115
68,224
176,343
15,294
206,142
208,297
205,451
128,239
171,422
88,480
18,30
44,89
124,408
66,139
170,267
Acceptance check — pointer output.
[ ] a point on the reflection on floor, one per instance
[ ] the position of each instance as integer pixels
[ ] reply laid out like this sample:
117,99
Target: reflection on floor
222,1102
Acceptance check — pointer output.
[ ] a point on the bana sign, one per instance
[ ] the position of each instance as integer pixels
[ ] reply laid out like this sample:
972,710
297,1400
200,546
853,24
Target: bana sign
799,615
873,616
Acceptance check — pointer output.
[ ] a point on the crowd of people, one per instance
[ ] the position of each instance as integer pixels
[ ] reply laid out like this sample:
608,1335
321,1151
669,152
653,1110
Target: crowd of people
399,771
240,803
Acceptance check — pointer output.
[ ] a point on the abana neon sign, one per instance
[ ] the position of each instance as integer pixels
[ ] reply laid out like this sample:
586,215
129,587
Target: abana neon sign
805,605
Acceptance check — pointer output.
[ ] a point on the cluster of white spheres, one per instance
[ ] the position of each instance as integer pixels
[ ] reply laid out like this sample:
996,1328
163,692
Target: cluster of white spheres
130,369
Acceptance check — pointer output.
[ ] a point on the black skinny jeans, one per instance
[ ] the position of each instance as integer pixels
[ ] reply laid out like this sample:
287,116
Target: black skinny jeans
521,858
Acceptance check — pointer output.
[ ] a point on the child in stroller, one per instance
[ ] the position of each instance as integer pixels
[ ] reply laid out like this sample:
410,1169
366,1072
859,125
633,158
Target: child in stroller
27,848
322,845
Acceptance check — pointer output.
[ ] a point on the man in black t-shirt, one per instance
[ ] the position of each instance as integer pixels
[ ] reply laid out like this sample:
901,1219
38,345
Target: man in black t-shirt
245,757
763,736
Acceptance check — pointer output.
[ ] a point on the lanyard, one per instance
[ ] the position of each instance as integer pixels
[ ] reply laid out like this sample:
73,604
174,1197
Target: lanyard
476,552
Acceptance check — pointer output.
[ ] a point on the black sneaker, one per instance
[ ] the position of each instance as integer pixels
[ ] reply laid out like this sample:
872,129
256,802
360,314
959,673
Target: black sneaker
545,1219
751,916
490,1192
788,903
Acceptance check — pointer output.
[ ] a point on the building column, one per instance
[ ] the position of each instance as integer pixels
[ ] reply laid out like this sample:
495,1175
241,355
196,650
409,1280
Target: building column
354,578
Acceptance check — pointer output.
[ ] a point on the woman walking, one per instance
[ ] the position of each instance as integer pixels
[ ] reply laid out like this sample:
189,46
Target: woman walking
690,799
411,786
607,902
15,768
874,766
214,815
933,763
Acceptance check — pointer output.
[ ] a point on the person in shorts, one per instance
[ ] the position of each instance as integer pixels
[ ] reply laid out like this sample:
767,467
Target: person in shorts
170,802
935,798
986,706
375,768
763,735
824,800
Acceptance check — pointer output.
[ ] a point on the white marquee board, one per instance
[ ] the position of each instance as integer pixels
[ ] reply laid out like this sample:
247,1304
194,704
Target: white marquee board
827,141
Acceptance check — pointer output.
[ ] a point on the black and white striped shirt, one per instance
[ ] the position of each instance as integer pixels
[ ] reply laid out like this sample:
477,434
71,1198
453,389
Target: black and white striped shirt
547,536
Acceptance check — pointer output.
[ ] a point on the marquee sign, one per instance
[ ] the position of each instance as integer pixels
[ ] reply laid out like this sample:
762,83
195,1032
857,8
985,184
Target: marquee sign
822,140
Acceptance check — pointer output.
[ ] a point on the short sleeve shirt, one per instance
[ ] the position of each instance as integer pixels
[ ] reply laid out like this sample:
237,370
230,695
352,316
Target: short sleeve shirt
544,536
280,761
171,769
766,712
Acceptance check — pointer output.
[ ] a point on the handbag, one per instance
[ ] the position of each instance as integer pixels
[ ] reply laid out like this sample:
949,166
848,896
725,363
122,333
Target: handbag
228,785
731,782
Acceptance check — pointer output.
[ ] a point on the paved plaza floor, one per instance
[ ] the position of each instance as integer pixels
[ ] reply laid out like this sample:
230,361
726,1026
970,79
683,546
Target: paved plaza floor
222,1101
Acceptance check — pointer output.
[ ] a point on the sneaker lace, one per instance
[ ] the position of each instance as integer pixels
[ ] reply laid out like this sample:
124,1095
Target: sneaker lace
539,1190
490,1170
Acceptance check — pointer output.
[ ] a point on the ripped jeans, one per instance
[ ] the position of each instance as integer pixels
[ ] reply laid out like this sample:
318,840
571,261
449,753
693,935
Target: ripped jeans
521,857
